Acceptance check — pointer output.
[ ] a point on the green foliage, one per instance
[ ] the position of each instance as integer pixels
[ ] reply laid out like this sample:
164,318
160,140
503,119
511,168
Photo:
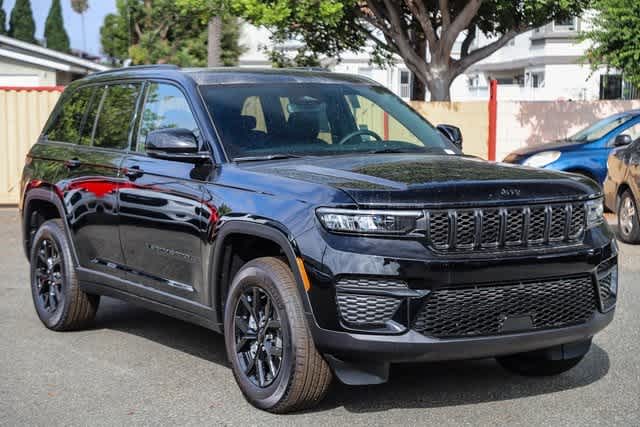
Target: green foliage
54,32
230,46
615,37
21,23
159,31
153,32
3,20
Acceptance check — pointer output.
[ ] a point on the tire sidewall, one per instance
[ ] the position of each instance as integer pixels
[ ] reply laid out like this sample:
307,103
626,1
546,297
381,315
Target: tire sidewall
266,397
51,230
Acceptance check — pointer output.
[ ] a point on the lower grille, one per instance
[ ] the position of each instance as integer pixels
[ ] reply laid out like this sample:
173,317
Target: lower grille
487,310
367,309
608,284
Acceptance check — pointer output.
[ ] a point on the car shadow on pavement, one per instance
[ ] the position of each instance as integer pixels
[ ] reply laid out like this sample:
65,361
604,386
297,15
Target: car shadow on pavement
183,336
425,385
445,384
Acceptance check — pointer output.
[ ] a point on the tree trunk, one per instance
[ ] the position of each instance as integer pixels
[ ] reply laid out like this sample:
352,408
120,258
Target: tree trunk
213,43
418,89
439,88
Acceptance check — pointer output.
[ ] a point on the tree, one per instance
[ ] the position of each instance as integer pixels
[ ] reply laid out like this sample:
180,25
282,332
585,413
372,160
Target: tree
158,31
230,47
421,32
153,31
3,20
21,24
54,32
80,7
614,37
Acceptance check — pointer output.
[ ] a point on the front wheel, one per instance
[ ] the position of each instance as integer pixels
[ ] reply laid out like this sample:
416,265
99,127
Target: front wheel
268,342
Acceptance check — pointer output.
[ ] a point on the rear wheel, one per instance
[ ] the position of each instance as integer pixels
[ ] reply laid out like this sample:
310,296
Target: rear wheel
628,225
272,353
60,303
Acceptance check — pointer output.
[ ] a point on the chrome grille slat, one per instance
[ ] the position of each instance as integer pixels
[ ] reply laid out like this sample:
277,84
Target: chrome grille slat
526,226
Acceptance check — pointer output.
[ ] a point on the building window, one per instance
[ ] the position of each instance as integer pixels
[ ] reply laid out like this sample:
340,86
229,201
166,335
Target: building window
568,24
405,84
610,86
534,80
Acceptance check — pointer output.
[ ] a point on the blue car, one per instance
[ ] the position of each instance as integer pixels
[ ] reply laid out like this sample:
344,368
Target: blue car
587,151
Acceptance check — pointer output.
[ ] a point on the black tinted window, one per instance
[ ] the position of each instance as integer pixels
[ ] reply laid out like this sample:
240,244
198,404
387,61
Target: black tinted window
116,116
66,125
165,108
91,114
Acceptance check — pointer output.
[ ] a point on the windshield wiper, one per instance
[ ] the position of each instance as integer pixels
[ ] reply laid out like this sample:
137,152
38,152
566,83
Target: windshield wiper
389,151
266,157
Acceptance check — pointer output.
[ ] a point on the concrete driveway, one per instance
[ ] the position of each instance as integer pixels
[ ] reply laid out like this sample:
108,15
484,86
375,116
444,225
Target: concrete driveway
139,367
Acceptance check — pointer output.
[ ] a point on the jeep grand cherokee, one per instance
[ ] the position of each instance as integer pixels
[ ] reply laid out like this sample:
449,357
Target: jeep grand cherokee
316,220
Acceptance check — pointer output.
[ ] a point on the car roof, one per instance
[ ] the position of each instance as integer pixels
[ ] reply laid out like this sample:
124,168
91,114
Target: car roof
230,75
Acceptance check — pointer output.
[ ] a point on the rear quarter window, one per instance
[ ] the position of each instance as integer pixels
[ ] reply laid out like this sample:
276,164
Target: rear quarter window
66,126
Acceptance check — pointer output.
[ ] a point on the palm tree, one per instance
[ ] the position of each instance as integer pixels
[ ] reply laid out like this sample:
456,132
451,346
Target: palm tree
81,6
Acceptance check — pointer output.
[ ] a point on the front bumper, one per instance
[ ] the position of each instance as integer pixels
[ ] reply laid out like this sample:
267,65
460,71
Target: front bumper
408,261
415,347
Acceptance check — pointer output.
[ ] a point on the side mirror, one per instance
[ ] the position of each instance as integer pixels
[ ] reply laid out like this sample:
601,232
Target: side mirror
622,139
452,133
174,144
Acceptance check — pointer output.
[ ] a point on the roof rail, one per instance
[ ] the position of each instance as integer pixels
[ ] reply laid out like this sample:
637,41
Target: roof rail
138,67
324,69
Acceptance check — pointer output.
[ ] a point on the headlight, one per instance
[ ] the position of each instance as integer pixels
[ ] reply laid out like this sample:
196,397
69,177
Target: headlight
368,222
542,159
595,212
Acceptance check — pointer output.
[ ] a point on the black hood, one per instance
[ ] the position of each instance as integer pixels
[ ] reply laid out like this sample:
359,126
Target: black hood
431,180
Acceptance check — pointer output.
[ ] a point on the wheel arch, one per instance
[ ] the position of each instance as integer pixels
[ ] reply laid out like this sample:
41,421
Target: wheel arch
271,240
42,204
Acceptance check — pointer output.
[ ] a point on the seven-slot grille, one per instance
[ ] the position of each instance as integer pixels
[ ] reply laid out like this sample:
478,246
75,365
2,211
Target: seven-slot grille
510,227
484,310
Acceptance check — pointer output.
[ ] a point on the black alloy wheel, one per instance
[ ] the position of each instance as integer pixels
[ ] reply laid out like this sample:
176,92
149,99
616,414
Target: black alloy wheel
49,276
59,301
258,336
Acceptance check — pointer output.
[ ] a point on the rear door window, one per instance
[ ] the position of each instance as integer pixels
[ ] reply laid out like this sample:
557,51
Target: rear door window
116,114
67,123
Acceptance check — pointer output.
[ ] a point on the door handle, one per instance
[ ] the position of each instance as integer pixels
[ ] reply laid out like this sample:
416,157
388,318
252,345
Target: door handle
72,163
133,172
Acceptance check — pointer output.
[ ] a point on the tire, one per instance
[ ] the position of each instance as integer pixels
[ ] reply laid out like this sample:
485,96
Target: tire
536,365
628,224
59,302
298,377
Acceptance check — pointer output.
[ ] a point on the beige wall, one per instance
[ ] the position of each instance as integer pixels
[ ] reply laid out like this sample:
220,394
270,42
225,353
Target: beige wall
471,117
528,123
22,115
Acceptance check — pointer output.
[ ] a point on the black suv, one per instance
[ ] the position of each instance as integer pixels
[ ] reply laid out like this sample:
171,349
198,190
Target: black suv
316,220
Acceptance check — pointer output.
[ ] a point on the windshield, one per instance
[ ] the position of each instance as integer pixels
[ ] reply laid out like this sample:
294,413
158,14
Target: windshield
600,128
257,121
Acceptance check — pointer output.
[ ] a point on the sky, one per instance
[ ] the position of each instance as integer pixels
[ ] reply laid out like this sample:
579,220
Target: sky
72,21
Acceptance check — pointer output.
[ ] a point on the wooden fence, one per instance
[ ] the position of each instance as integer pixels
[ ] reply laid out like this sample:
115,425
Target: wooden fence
23,112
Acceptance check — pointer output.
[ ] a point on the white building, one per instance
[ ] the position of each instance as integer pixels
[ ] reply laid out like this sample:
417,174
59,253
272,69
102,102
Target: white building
544,64
26,64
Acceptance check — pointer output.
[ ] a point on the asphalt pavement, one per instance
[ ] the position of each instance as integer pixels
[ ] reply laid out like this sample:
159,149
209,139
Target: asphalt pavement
136,367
